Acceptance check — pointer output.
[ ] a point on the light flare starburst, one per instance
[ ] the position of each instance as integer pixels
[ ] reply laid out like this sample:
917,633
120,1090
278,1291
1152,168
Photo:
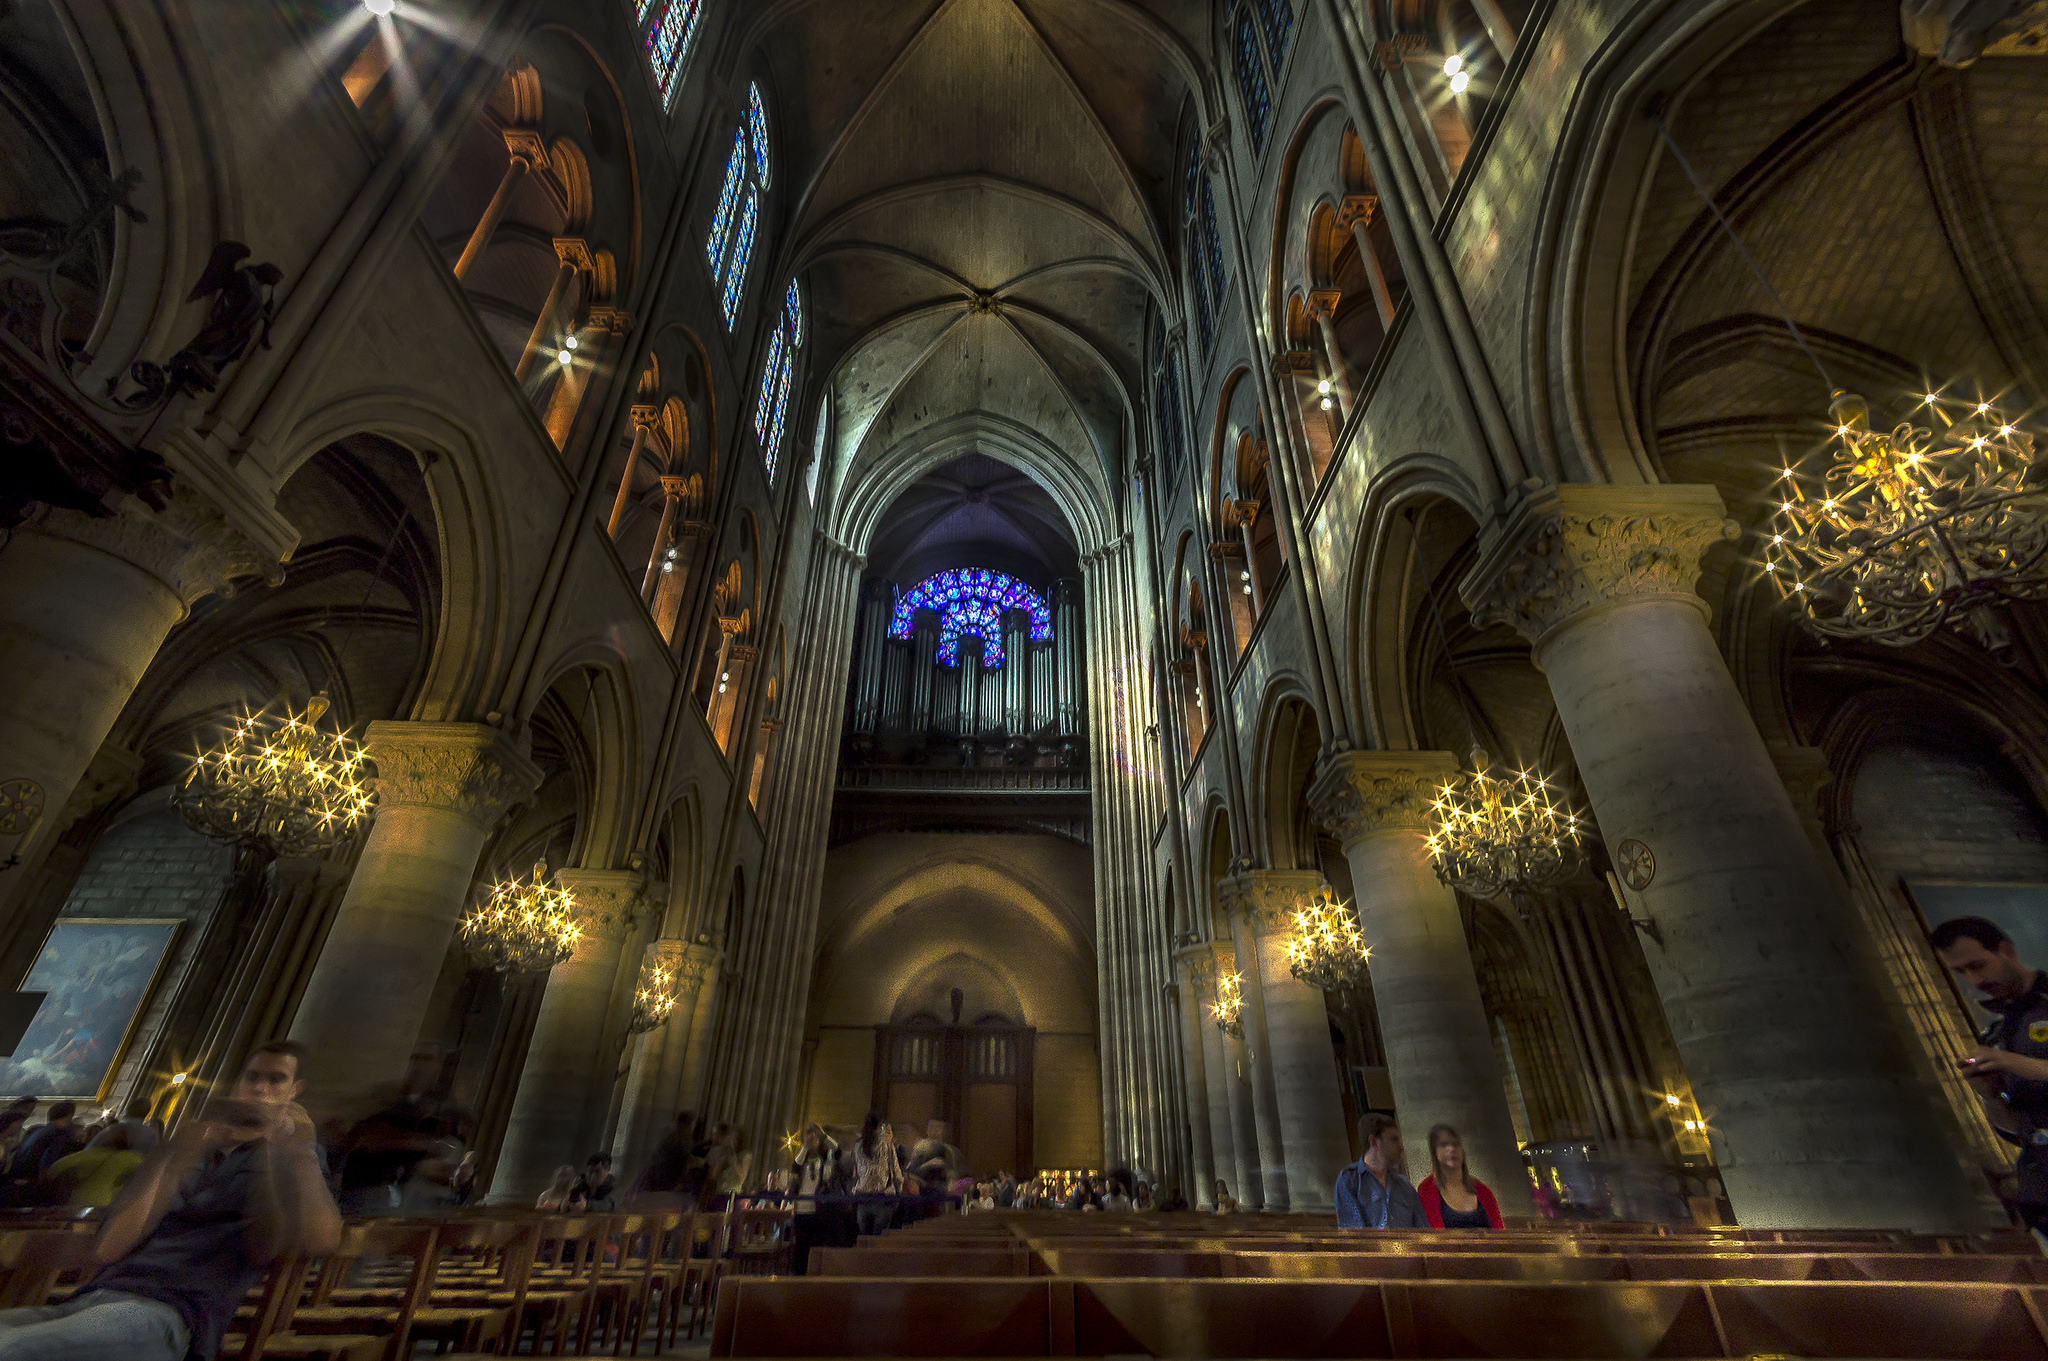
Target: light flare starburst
1326,949
1228,1008
654,997
1491,835
279,782
523,927
1903,531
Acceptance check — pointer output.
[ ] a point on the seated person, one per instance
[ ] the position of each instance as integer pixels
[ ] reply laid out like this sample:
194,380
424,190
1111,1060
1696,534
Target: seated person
238,1187
1452,1198
1373,1193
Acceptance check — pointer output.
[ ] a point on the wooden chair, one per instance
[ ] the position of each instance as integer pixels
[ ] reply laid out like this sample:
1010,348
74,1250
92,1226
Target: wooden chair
320,1331
38,1261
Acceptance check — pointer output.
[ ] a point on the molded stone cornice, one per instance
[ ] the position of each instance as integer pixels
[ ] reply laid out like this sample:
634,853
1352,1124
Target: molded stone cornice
605,900
1200,963
1363,793
698,963
465,768
1267,899
1563,551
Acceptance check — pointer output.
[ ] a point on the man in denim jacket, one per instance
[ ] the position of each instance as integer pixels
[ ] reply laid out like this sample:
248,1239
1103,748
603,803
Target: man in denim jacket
1373,1193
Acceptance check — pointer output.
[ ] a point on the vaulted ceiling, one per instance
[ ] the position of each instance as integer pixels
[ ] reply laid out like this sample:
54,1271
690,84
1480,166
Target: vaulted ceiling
981,198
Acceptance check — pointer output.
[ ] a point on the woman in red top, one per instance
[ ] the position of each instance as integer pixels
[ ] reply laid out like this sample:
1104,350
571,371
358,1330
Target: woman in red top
1452,1198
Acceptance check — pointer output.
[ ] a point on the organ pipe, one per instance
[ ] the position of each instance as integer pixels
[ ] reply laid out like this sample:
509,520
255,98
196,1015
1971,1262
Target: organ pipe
924,657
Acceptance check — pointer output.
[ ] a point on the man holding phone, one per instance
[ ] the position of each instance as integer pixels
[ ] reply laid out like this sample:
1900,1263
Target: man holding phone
238,1187
2009,1069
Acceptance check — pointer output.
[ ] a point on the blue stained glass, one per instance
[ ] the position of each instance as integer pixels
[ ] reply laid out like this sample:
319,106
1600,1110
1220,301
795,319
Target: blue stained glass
971,600
1194,191
1279,20
742,247
793,308
781,410
645,5
1251,83
768,379
721,223
757,126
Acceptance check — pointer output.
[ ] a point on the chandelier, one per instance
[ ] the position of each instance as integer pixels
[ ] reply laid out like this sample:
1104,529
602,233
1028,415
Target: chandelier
1902,532
1228,1008
1489,836
523,928
1326,949
279,784
654,997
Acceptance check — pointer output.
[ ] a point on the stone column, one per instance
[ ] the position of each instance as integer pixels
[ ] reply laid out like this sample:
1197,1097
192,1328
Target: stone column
654,1082
1790,1053
1441,1061
1299,1064
529,153
1197,978
441,788
1232,1072
1323,304
85,604
645,419
672,490
574,256
568,1064
1356,213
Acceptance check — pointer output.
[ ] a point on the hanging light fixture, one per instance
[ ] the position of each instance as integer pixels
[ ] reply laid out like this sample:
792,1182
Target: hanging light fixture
1326,949
278,783
1489,835
523,927
1901,532
1228,1008
1933,523
654,998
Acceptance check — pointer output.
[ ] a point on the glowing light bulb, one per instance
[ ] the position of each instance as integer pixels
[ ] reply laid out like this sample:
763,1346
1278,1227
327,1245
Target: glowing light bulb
569,342
380,8
1460,82
1453,64
1328,405
566,357
1672,1099
1323,387
178,1079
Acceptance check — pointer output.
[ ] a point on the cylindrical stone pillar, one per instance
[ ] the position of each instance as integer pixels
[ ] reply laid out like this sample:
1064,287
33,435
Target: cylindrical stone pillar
1197,977
654,1082
85,604
1441,1061
1302,1067
1258,1058
1789,1051
441,788
566,1060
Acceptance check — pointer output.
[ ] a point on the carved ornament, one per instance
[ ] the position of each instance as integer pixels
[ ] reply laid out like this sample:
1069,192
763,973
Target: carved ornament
1357,210
1267,899
189,545
1362,793
574,253
527,145
605,901
464,768
1323,302
1563,551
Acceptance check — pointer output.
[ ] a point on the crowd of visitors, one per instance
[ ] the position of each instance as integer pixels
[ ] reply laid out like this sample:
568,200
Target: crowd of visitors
65,1161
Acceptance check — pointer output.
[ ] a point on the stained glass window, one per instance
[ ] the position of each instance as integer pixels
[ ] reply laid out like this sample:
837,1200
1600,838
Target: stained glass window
778,376
1278,16
971,601
728,199
1166,401
757,128
1251,82
742,248
1212,244
668,41
645,5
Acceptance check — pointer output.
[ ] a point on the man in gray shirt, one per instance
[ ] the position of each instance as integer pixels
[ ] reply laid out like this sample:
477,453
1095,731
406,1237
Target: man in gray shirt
198,1225
1373,1193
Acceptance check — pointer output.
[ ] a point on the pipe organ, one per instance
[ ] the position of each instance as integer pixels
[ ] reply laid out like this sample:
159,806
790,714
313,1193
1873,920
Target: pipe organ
967,668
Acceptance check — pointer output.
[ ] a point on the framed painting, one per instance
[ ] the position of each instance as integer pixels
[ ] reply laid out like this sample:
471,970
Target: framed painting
2021,911
98,974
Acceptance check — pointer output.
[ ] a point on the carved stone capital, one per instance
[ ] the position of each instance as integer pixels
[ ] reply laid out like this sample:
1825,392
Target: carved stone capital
615,321
1242,514
1564,551
1267,899
527,145
1323,302
699,961
189,545
1226,550
646,418
574,253
1363,793
1290,362
464,768
1357,210
674,487
605,901
1199,963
